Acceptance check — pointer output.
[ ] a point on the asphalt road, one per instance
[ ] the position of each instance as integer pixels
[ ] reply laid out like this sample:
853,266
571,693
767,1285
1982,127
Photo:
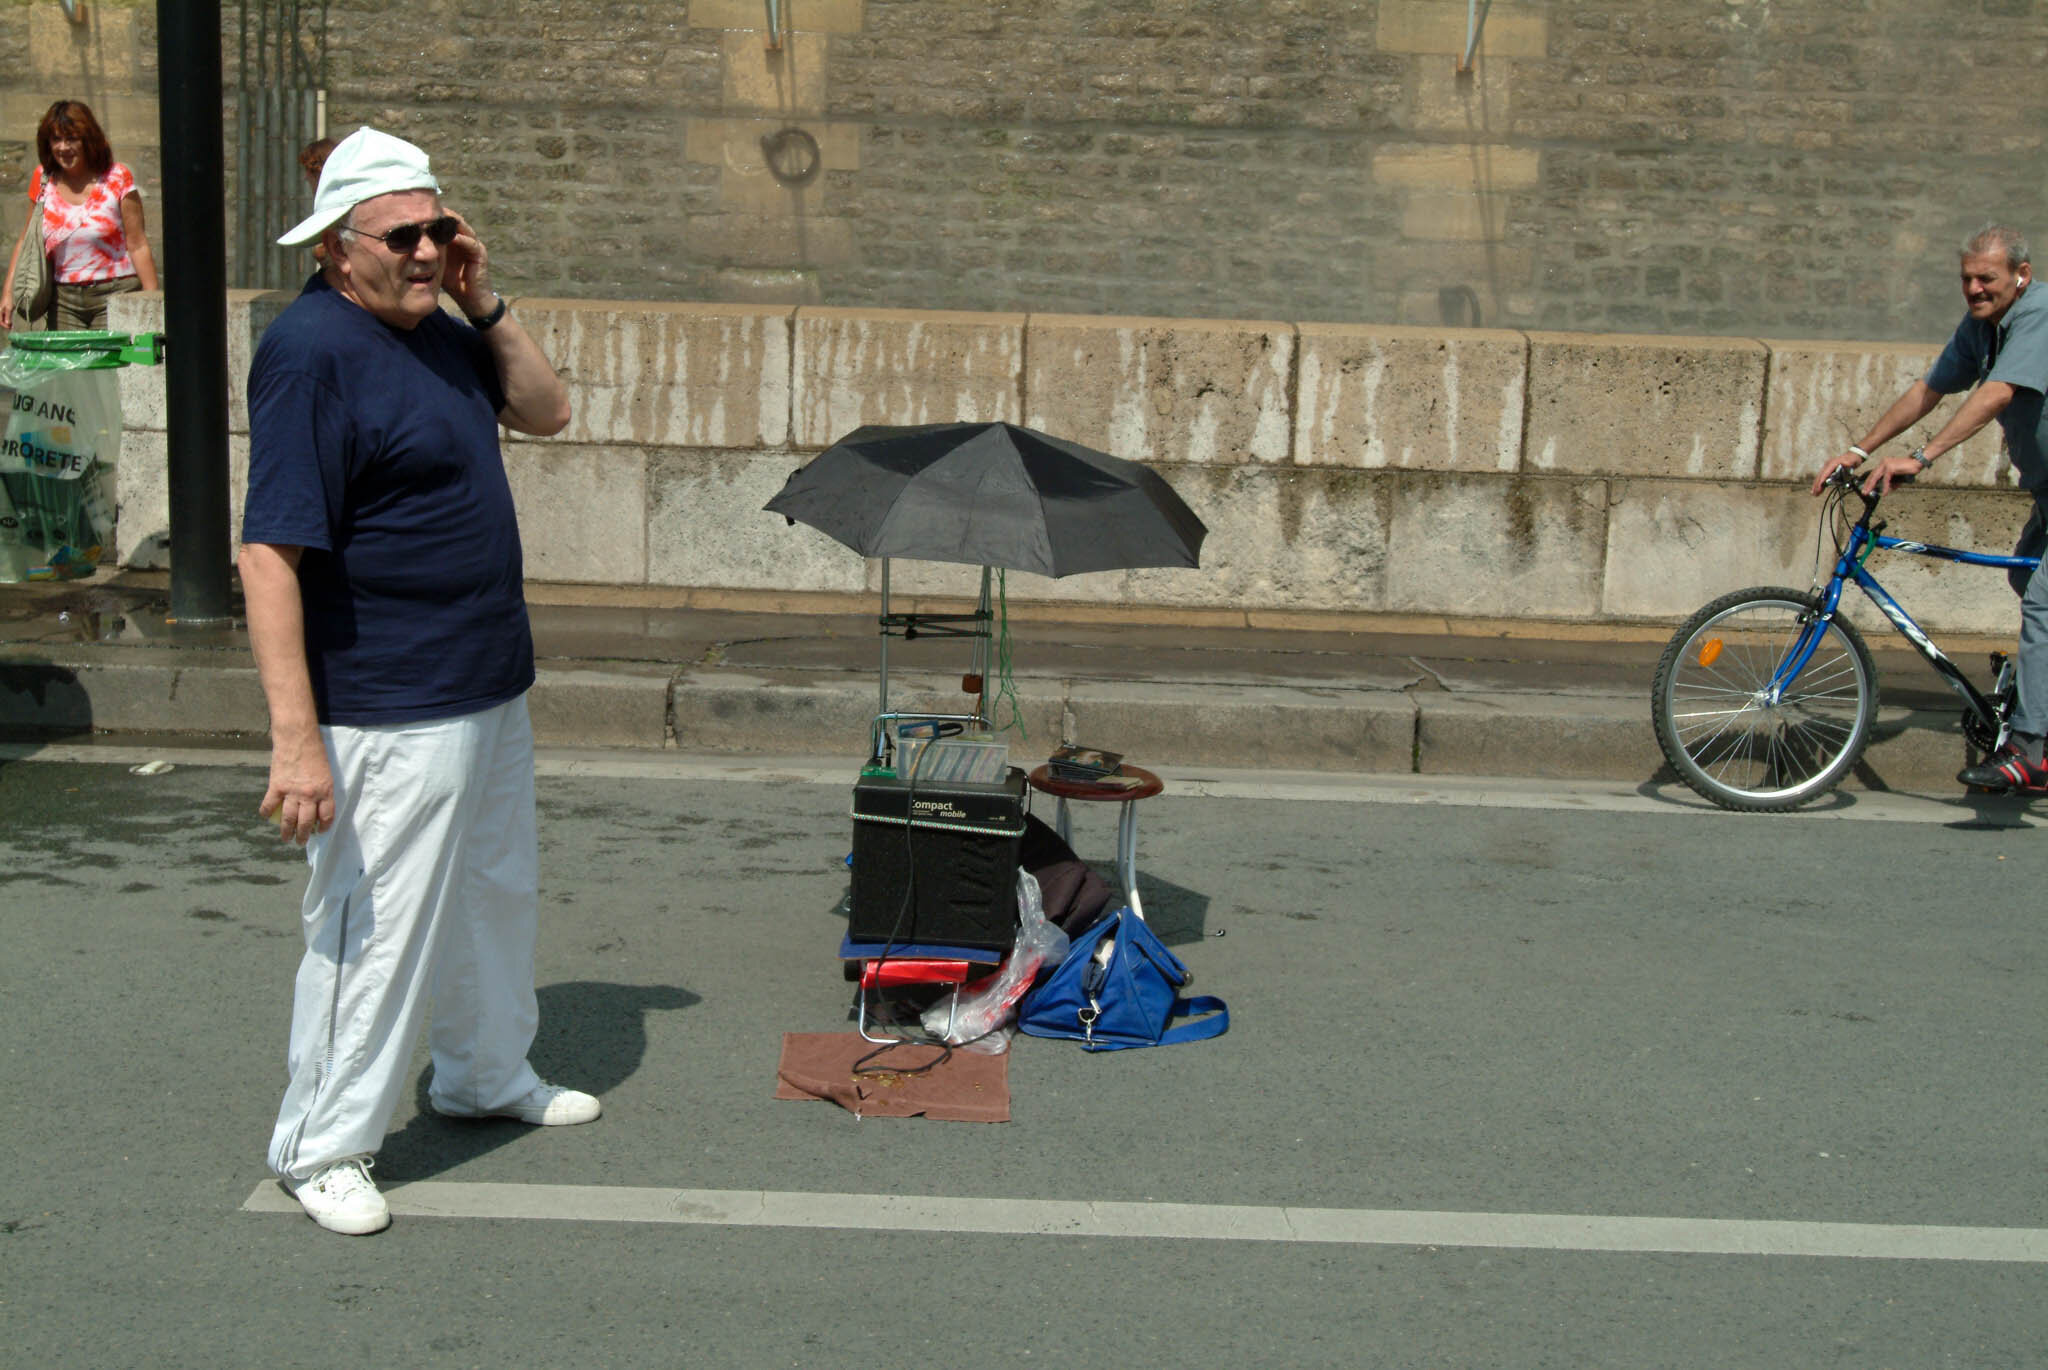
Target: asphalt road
1462,1032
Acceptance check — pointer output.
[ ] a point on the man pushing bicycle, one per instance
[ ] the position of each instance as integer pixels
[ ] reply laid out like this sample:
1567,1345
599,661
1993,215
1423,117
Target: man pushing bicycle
2001,348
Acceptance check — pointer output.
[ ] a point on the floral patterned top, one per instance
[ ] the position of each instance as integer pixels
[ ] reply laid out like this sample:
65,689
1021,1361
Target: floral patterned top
86,242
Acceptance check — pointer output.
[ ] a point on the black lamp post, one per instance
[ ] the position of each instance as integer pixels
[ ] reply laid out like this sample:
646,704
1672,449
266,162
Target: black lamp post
195,308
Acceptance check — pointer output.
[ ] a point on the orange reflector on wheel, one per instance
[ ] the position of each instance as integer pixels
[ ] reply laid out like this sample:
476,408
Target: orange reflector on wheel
1710,651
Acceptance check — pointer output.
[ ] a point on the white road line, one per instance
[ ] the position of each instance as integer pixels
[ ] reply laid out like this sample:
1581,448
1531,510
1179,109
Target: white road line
1456,791
1202,1222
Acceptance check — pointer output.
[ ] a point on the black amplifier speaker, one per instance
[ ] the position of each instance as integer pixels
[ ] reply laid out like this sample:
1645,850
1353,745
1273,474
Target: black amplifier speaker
936,863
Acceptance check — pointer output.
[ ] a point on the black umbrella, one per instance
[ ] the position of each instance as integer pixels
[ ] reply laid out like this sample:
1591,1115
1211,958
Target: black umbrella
991,494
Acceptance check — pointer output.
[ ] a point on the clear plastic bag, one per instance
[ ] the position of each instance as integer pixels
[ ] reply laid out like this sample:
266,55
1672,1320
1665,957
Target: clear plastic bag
989,1005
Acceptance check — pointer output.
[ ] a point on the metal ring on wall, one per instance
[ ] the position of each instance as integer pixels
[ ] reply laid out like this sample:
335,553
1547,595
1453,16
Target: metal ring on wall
792,156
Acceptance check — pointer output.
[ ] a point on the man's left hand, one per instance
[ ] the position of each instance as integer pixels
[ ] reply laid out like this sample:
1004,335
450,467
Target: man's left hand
1891,471
467,273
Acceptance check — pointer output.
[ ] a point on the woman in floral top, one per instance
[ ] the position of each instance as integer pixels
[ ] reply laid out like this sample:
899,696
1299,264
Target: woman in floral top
93,226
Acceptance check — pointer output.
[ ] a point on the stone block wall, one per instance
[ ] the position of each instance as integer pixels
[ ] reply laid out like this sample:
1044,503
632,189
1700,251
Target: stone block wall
1486,476
105,56
1739,168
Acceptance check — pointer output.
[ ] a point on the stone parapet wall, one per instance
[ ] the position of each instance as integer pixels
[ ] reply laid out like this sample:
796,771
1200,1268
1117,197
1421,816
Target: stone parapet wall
1342,470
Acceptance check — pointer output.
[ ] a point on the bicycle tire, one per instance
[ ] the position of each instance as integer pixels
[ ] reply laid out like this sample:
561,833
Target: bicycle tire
1729,744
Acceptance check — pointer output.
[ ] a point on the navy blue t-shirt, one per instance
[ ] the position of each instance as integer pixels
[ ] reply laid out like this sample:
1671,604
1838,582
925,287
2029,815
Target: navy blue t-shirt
376,450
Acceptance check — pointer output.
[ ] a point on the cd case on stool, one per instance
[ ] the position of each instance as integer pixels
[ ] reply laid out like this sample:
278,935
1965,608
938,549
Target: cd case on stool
1083,764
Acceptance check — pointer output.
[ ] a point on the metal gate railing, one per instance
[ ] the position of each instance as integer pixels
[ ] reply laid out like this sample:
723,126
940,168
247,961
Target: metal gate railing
280,106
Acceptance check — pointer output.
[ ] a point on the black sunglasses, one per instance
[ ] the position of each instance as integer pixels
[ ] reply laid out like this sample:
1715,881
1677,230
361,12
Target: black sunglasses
405,239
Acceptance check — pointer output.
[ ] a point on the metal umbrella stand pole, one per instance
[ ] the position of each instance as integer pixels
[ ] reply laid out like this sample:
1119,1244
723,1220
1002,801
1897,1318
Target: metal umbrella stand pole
909,627
884,622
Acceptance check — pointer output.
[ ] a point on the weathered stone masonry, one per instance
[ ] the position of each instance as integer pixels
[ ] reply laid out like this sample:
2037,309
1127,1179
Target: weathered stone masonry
1078,213
1754,168
1343,470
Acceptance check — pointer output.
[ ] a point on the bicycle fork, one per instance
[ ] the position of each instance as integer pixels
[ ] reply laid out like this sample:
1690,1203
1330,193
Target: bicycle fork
1983,717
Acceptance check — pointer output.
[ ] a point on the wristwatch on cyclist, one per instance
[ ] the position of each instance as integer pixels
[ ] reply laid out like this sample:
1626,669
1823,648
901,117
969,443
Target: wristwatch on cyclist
1919,454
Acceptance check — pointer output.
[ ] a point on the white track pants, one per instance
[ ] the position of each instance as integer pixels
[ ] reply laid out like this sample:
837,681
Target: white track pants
425,886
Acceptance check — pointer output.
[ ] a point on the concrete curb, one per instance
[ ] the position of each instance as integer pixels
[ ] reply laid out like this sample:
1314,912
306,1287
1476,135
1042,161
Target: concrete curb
1555,734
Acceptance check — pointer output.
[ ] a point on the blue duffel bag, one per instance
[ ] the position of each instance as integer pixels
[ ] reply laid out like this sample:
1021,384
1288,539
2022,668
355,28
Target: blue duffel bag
1119,987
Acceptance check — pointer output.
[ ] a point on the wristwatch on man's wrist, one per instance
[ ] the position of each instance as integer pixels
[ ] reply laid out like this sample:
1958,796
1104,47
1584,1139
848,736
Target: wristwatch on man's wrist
1919,454
485,322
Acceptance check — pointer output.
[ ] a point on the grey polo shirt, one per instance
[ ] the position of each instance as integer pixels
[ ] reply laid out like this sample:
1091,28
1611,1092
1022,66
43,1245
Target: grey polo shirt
2018,355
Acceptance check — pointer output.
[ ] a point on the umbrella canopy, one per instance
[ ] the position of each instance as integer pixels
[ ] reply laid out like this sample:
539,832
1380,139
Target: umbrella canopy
991,494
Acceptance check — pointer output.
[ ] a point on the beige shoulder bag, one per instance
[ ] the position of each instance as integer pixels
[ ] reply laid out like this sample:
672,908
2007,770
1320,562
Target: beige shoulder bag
34,286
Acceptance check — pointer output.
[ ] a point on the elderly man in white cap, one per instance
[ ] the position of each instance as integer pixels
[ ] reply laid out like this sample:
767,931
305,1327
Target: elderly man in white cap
381,568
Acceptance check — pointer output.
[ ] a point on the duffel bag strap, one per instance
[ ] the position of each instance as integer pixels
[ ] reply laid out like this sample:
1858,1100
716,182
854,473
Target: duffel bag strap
1215,1025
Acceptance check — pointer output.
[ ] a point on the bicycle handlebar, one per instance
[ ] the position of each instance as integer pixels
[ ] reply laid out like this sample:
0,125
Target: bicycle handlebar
1850,480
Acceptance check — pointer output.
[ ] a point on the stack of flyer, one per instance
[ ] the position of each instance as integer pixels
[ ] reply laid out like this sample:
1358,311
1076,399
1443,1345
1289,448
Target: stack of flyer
954,760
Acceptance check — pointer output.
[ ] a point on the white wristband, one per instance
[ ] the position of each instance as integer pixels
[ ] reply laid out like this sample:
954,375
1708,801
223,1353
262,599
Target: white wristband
1861,455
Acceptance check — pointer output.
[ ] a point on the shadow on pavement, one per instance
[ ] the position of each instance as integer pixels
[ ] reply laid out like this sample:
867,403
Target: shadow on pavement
1176,913
40,703
1990,811
593,1036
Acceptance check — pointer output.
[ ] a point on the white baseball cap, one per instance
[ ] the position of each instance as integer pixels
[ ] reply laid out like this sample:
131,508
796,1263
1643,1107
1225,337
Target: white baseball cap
362,166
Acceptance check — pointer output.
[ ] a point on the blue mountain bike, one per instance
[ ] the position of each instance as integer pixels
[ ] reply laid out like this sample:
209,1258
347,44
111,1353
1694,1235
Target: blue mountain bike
1764,699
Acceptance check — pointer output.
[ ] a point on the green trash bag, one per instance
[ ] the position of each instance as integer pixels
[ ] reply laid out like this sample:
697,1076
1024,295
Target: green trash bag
63,438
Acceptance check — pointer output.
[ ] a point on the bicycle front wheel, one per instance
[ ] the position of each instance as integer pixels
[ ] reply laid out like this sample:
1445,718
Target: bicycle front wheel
1738,733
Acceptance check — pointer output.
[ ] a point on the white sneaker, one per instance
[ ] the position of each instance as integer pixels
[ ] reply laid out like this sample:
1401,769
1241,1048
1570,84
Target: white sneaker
544,1105
343,1198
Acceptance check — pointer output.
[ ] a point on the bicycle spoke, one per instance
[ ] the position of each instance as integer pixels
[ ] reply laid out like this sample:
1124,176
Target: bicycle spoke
1739,731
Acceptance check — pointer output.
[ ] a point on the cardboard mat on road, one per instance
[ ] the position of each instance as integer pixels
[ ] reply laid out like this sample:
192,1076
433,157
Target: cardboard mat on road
902,1081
